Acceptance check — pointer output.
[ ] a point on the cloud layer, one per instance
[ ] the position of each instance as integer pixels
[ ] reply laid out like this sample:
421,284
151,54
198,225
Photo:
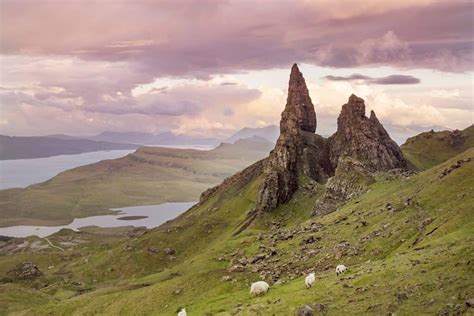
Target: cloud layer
387,80
87,66
201,38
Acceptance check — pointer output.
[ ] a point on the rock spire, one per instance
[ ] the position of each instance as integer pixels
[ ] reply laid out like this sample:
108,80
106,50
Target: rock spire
297,149
360,147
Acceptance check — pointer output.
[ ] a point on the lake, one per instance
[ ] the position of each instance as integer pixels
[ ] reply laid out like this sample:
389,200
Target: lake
148,216
20,173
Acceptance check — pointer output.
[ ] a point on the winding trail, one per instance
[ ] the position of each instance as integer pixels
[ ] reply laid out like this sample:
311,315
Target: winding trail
51,244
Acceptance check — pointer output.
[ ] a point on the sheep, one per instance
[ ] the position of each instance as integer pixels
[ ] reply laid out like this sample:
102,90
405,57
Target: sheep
309,280
340,269
182,312
260,287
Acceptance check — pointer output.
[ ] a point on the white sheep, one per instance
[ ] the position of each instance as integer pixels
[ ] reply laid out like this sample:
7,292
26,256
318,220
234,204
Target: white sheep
260,287
309,280
182,312
340,269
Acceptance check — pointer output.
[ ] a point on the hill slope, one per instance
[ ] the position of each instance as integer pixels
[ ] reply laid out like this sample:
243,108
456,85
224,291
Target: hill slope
151,175
408,248
407,238
36,147
431,148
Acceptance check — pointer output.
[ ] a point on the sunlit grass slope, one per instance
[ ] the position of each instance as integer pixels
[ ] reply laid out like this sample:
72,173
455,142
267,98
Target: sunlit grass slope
408,243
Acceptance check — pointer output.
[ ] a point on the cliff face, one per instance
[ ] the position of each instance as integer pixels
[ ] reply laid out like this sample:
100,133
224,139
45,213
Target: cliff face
360,147
297,151
364,139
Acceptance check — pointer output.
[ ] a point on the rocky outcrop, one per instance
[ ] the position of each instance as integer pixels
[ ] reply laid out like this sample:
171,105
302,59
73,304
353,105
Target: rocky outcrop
298,150
23,272
350,180
346,161
360,147
299,111
364,139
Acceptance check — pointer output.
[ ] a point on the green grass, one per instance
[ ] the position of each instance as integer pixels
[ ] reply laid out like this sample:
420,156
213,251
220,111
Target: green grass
395,251
431,148
151,175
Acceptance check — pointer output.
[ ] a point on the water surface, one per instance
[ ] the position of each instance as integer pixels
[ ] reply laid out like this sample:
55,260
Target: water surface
149,216
20,173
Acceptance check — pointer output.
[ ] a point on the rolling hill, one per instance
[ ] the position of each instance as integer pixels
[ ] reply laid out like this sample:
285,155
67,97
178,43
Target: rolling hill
431,148
408,249
151,175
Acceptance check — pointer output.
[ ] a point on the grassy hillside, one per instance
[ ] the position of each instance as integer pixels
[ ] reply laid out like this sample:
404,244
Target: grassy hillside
408,243
151,175
431,148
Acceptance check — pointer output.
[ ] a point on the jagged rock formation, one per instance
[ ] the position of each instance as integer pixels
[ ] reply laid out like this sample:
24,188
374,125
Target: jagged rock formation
364,139
351,179
360,147
298,150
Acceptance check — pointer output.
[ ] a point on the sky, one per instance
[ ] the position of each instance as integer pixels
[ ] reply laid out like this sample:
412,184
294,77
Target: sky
209,68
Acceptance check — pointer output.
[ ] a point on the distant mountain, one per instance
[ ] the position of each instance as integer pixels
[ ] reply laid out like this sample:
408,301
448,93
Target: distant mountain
239,148
165,138
270,133
63,136
37,147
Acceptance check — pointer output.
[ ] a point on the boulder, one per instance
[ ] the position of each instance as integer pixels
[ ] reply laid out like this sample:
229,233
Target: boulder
24,271
305,311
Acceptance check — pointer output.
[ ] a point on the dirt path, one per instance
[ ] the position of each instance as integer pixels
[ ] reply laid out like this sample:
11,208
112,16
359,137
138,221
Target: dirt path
54,246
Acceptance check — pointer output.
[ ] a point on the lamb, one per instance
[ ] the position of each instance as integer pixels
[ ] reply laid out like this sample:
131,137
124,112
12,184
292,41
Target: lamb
309,280
182,312
260,287
340,269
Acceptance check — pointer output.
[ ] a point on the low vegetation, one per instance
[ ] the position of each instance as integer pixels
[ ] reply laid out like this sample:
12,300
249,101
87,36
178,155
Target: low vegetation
151,175
407,243
431,148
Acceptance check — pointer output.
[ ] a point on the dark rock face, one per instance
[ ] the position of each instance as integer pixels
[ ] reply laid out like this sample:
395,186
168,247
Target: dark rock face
298,150
299,110
350,180
364,139
456,138
360,147
346,161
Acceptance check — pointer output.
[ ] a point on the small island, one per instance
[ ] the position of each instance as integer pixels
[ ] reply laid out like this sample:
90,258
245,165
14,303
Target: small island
132,218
